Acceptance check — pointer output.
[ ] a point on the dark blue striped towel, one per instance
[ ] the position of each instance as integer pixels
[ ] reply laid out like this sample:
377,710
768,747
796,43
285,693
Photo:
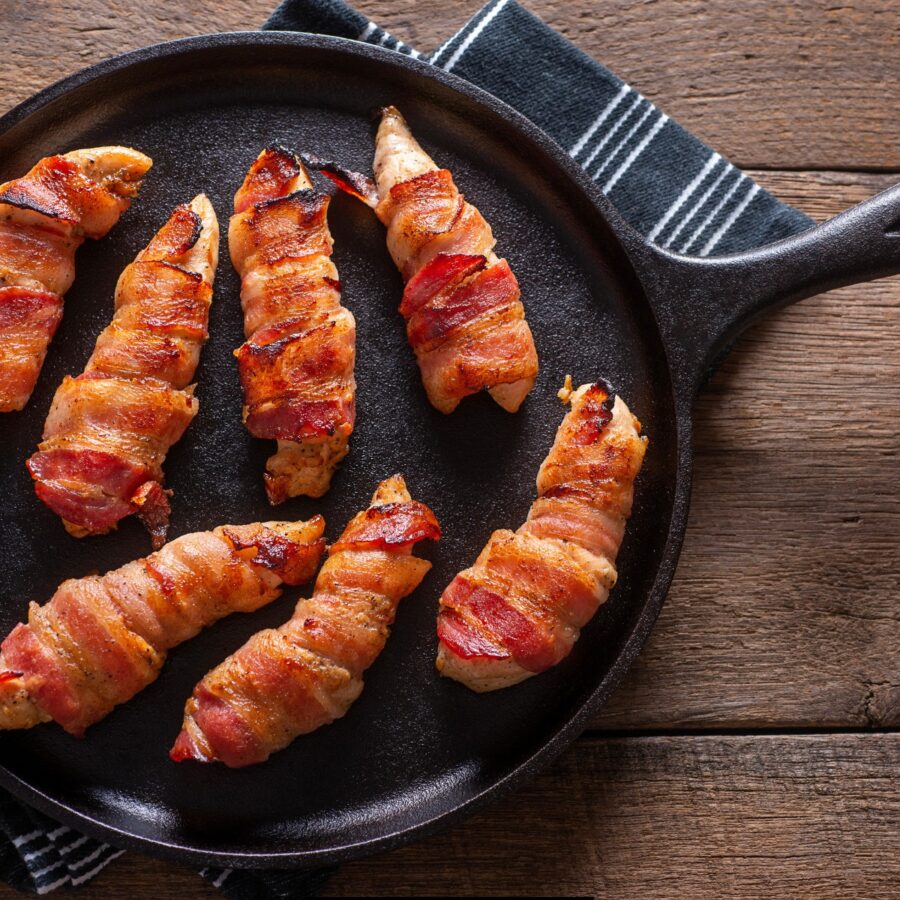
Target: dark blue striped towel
669,185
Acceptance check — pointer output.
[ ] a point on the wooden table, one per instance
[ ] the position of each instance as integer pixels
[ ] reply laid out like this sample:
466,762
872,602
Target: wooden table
753,748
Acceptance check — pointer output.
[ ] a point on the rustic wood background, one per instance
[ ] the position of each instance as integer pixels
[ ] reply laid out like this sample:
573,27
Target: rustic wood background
753,748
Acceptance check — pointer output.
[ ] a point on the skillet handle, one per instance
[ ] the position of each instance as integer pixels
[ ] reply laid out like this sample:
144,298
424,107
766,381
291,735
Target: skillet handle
703,304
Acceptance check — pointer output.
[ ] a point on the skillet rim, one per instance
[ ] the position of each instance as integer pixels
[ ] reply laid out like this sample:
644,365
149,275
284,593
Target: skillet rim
631,243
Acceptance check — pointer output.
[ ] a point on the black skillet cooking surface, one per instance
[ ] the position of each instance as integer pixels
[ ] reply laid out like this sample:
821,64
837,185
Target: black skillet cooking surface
415,750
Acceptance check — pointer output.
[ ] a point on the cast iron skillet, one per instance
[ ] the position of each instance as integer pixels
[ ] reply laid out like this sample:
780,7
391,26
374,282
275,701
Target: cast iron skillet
415,751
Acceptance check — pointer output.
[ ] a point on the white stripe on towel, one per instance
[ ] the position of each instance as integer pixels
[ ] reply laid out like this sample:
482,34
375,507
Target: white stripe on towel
641,147
712,215
223,875
699,204
74,845
684,196
609,134
46,888
754,190
604,115
25,838
87,876
624,142
90,858
34,854
473,35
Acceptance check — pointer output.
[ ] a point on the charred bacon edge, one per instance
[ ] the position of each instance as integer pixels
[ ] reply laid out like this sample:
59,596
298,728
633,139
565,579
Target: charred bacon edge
22,200
389,525
188,243
152,507
253,348
309,200
354,183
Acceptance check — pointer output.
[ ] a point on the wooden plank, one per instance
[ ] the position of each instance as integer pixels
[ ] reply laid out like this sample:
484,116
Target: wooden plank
824,194
766,816
765,83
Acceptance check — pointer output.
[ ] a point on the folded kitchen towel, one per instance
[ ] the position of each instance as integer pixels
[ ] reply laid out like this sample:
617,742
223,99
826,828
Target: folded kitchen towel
667,184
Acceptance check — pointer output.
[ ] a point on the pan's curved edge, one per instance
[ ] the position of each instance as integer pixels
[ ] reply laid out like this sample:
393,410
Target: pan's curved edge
568,732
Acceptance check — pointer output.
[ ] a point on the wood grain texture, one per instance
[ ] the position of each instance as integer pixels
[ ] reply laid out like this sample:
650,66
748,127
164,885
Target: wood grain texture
802,85
771,816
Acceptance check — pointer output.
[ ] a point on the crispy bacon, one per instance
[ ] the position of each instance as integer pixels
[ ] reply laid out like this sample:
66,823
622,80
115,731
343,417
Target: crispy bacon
353,183
91,489
489,292
434,279
522,639
283,228
58,188
464,317
418,211
458,367
295,420
291,680
28,321
36,254
102,639
296,367
44,217
275,173
152,507
110,428
519,609
287,379
389,527
463,640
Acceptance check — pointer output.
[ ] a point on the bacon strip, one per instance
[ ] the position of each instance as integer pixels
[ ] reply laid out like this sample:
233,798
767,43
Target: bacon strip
296,367
44,218
103,638
291,680
464,317
519,609
109,429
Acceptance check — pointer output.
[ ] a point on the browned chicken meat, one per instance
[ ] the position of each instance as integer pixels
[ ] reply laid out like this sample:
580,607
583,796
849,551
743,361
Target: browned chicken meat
520,608
296,365
101,639
288,681
44,218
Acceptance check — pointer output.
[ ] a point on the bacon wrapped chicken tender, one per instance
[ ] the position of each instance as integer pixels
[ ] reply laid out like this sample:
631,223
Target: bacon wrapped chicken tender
519,609
296,366
291,680
103,638
464,318
110,428
44,218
